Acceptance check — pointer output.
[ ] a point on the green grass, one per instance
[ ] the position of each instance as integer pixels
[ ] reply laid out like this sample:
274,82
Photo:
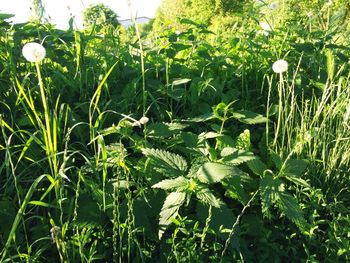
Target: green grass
236,163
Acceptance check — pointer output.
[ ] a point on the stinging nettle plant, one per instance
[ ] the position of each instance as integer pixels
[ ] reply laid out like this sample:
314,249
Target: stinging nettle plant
184,182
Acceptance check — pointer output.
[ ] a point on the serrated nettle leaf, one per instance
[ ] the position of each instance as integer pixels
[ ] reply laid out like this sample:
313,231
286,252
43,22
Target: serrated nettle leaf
166,162
298,181
164,129
179,183
170,210
257,166
295,167
235,156
289,206
207,197
269,189
276,160
249,117
234,189
214,172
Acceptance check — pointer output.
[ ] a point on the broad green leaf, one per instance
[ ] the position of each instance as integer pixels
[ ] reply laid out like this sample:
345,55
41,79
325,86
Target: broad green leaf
214,172
179,184
298,181
276,160
289,206
164,129
207,197
257,167
269,190
168,163
201,118
170,209
295,167
249,117
235,156
234,189
293,171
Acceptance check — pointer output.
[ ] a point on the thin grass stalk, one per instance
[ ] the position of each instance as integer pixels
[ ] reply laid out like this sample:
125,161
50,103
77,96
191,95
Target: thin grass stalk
144,94
48,137
280,108
19,215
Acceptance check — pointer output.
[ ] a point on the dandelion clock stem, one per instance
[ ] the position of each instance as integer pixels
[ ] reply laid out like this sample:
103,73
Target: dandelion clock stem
280,108
47,129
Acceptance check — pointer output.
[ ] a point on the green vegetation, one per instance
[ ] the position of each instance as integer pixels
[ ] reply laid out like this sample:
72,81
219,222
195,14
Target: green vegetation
100,16
182,143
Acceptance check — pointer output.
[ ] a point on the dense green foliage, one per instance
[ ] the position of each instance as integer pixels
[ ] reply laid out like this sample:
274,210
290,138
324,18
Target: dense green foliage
180,145
100,16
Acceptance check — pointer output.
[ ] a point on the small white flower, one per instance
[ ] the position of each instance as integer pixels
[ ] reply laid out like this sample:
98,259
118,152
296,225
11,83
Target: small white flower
265,26
177,32
280,66
143,120
33,52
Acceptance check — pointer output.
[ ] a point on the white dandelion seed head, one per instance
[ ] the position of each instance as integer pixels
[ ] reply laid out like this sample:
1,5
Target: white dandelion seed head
143,120
280,66
265,26
33,52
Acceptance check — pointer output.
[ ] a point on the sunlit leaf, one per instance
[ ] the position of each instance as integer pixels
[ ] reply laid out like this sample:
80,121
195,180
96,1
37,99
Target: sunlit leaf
168,163
214,172
170,209
249,117
207,197
235,156
179,183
